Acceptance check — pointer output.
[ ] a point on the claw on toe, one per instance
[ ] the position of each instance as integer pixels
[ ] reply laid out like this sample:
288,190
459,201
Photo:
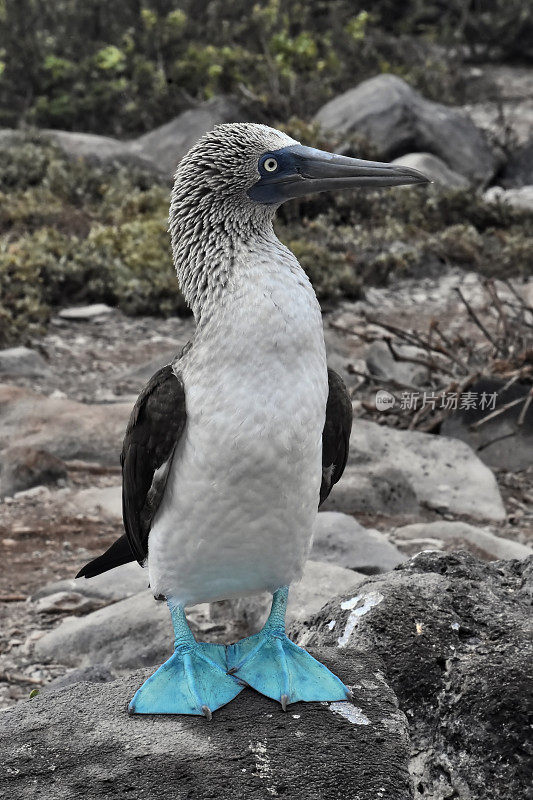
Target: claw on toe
206,711
284,701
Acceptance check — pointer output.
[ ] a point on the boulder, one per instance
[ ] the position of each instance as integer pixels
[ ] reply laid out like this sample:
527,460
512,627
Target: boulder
519,168
453,633
390,471
80,742
104,501
93,674
381,363
434,168
62,427
167,145
448,535
99,149
340,539
23,361
520,198
23,467
82,313
137,631
125,635
116,584
501,442
395,119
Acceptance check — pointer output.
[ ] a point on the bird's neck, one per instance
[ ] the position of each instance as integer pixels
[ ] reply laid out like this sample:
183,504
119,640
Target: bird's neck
208,243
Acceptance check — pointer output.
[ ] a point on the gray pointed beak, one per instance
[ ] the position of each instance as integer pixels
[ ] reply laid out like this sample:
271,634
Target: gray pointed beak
304,170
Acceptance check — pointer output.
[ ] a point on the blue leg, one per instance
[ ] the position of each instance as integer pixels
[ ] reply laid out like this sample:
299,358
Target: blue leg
273,665
194,680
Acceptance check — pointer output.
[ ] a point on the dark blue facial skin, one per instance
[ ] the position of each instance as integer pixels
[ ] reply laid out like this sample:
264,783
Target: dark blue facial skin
304,170
269,188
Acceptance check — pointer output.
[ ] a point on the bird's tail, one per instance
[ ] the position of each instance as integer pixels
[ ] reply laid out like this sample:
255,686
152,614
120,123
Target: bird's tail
119,553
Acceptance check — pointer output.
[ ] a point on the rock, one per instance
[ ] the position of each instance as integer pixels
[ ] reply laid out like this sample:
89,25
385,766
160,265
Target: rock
453,634
320,582
520,198
66,603
24,467
85,312
96,673
340,539
23,361
125,635
62,427
105,501
388,468
447,535
380,362
519,168
137,631
95,148
80,741
501,442
143,372
377,490
167,145
116,584
433,168
394,118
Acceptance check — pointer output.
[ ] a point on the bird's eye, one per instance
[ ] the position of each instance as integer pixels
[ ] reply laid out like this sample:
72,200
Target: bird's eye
270,164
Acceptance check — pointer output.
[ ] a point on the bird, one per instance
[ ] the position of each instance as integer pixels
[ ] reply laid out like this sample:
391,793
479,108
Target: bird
232,447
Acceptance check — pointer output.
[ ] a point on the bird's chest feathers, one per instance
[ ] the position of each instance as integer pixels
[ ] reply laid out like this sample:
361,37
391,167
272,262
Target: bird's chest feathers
256,375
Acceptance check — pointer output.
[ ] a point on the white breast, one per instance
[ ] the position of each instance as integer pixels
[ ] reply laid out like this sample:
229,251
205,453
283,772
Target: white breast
242,496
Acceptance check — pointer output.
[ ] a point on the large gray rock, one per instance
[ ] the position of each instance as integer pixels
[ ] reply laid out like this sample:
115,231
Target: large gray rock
167,145
519,169
23,361
433,168
395,118
449,536
386,464
92,147
381,363
520,198
22,468
137,631
501,442
454,635
82,313
80,742
104,501
340,539
62,427
128,634
116,584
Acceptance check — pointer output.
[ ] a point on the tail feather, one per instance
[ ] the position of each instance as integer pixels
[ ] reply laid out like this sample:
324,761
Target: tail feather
119,553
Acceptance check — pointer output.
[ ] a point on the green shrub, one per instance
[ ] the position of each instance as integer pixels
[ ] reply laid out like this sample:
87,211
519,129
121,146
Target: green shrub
77,233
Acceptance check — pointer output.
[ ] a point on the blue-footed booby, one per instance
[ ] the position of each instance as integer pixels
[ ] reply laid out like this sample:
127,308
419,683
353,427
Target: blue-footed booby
231,448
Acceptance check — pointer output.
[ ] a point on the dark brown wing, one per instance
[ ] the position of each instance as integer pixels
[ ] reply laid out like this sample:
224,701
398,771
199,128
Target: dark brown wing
336,434
155,426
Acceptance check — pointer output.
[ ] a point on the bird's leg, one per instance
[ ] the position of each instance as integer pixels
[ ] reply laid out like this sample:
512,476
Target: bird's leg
194,680
273,665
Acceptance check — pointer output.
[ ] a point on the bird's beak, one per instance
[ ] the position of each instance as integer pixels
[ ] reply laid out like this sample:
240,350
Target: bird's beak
305,170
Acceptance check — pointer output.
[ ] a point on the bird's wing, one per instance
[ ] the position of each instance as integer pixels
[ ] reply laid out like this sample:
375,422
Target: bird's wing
154,428
336,434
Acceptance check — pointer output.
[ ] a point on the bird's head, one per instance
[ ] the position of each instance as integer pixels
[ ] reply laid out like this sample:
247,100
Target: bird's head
228,186
255,165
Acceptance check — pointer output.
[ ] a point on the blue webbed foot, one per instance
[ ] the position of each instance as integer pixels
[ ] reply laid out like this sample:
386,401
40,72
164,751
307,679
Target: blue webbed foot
273,665
194,680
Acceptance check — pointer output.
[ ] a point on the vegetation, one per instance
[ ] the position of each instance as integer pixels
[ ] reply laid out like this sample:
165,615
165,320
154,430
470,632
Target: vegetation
72,232
124,67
